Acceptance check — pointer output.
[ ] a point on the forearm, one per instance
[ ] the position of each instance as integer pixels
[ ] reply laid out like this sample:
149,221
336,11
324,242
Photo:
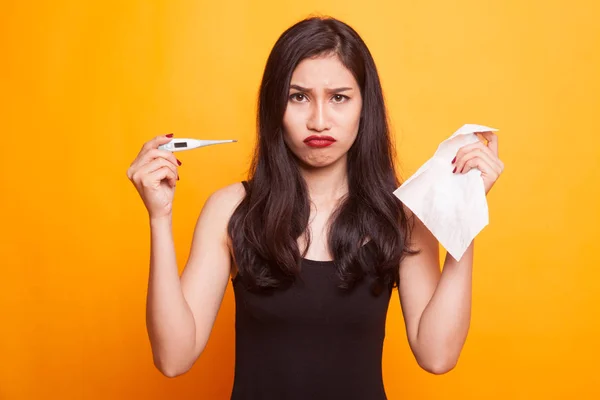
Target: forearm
169,320
444,324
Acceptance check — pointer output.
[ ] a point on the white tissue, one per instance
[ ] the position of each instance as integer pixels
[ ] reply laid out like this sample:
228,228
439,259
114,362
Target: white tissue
452,206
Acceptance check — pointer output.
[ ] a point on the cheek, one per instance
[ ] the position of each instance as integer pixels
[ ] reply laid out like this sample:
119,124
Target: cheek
293,126
349,122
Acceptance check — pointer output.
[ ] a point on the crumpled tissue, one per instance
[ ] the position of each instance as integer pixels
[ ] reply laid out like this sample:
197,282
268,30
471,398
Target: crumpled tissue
452,206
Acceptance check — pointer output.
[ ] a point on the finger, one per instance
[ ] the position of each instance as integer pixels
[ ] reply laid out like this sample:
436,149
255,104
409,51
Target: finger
478,146
482,165
153,154
481,138
153,166
157,141
492,146
492,139
151,144
159,175
139,169
473,154
150,156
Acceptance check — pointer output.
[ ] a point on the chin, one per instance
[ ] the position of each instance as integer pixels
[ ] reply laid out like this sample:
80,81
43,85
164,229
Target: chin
319,160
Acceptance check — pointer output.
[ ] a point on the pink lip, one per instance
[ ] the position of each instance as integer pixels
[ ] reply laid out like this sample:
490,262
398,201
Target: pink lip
319,141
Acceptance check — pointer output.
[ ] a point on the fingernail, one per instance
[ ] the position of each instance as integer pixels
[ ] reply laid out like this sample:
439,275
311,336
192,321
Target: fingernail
454,171
170,135
462,169
177,177
178,162
454,159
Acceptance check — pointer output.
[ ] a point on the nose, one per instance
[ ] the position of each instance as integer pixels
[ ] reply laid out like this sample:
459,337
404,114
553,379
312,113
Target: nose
318,119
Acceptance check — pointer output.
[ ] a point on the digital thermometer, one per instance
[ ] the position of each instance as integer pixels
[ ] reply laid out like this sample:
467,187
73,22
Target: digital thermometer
181,144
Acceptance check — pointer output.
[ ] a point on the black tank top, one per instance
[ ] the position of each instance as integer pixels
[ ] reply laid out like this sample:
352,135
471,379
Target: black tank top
310,341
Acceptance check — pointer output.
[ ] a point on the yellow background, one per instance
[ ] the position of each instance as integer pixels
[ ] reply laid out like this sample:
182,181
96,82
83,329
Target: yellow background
84,84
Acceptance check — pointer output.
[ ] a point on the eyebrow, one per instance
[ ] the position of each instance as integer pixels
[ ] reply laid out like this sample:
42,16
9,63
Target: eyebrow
335,90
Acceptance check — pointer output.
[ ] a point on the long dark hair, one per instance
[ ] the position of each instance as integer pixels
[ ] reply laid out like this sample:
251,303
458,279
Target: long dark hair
266,225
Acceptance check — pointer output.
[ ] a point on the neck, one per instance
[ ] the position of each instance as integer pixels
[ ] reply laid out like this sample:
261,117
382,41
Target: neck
326,184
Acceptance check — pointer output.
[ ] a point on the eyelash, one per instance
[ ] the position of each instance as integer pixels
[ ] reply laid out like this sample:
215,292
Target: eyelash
343,97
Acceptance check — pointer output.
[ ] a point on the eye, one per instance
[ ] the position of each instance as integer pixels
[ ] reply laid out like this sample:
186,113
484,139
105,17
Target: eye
299,97
340,98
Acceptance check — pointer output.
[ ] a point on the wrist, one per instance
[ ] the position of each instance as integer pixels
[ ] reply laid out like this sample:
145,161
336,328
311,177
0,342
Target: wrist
159,221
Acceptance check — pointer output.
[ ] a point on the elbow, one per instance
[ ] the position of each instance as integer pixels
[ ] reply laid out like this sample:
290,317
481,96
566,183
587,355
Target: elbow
171,369
439,368
437,359
438,365
170,372
174,362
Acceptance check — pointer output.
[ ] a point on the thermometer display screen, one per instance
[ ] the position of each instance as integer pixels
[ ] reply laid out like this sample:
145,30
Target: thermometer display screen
180,144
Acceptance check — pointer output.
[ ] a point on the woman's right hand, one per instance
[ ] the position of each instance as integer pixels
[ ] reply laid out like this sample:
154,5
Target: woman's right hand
154,175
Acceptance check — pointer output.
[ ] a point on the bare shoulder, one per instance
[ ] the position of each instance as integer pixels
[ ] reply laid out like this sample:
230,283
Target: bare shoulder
217,211
232,193
211,226
225,200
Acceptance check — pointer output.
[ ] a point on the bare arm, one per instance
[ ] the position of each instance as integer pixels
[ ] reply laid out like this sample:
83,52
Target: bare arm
181,312
436,305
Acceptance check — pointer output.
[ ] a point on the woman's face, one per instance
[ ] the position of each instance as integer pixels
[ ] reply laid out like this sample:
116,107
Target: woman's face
323,111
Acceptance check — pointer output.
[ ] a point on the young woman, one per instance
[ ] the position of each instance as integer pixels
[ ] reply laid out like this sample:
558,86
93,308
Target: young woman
314,241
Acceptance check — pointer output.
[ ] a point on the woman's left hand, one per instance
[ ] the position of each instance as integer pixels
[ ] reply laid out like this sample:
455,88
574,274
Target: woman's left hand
481,156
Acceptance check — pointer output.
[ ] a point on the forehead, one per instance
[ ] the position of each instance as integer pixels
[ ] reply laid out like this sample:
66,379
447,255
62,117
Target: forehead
324,71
